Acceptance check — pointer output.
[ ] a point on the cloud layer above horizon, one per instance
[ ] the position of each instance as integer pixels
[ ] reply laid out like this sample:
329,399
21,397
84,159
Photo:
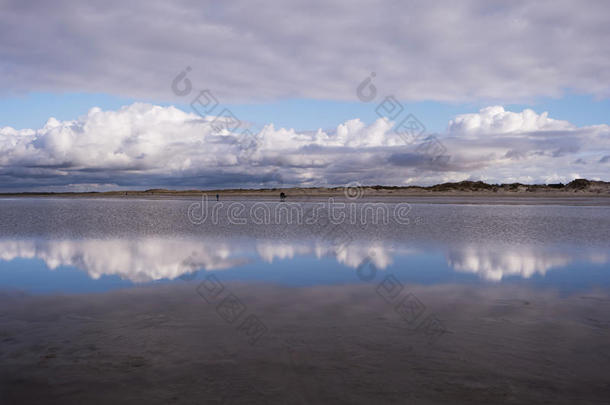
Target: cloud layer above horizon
468,53
255,51
144,146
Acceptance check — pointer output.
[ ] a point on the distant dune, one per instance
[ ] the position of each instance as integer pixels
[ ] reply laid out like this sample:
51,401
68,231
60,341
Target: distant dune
578,187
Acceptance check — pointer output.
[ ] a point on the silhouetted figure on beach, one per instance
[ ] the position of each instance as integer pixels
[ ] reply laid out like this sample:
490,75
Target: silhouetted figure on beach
282,196
217,197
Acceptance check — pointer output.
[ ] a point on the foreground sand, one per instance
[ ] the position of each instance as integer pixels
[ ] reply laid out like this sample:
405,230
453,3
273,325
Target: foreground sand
335,344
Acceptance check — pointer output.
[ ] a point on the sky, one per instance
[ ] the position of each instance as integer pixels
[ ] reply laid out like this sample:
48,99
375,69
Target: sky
203,94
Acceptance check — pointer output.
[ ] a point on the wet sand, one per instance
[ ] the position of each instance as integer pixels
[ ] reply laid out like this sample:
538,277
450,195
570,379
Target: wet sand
334,344
562,199
577,192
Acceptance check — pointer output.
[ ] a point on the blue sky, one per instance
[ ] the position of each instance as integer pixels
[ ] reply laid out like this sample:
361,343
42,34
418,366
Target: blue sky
32,110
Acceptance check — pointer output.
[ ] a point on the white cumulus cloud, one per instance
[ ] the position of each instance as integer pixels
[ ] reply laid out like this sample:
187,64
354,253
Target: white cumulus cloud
496,120
145,146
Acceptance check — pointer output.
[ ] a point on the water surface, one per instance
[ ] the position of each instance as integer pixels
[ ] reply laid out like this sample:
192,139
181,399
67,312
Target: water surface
186,300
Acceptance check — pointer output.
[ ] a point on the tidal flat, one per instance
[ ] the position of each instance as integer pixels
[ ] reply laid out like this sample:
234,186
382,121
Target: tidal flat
161,301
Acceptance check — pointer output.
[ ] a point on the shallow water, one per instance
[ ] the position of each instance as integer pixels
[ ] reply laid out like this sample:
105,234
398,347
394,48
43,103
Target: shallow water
250,301
71,245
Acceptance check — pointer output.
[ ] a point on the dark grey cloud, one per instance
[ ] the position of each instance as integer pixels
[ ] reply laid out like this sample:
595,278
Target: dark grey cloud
254,50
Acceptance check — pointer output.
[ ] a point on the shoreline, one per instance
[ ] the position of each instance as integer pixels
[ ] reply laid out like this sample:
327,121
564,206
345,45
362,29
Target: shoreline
576,189
563,199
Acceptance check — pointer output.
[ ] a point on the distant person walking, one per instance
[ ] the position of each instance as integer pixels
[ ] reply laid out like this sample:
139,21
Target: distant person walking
217,197
282,196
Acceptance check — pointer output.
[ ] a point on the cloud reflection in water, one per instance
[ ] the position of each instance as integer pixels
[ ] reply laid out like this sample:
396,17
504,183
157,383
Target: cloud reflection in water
150,259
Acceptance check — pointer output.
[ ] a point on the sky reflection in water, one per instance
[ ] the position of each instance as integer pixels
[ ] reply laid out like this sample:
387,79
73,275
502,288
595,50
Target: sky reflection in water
117,244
